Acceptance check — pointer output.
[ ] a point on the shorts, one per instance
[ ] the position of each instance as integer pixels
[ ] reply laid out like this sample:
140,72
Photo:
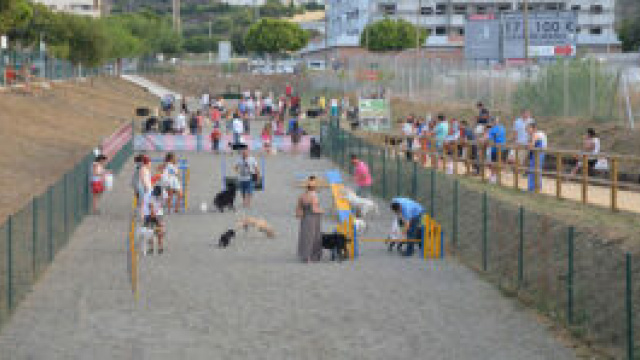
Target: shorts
246,187
151,222
97,187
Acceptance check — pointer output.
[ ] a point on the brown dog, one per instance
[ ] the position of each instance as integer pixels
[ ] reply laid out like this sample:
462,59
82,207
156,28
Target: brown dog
260,224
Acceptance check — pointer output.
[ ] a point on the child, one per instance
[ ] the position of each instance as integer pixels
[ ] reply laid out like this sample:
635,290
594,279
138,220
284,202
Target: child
152,214
172,182
98,173
216,134
266,138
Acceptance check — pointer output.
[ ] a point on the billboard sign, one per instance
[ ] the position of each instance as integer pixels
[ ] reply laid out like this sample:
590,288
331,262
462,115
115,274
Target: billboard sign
375,114
224,51
548,31
482,39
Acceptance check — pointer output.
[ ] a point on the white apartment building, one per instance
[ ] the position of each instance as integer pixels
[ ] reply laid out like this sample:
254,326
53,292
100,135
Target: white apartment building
446,18
94,8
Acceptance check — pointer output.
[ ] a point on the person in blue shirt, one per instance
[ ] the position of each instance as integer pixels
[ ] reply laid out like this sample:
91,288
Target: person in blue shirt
498,136
410,213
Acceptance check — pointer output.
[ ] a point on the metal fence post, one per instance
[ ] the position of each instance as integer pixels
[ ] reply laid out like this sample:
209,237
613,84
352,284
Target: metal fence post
521,246
432,193
384,174
414,180
50,222
484,231
629,309
66,212
397,175
34,234
9,263
456,203
570,275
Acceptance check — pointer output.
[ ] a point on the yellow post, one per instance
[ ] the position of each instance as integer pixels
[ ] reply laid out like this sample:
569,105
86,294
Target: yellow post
425,226
437,241
433,238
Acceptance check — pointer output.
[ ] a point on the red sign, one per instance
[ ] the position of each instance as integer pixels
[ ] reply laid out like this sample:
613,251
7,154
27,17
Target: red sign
567,50
476,17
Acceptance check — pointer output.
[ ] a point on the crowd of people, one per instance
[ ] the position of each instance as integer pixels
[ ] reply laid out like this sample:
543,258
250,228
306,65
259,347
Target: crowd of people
483,140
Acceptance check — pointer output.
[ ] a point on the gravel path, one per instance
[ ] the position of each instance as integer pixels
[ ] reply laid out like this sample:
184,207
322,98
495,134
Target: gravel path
254,300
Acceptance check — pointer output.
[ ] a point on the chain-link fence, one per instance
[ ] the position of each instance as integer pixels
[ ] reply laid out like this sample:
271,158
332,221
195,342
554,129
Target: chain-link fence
585,88
572,275
30,238
17,67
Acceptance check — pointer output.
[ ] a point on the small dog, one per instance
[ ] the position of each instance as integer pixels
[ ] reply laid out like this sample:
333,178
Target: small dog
360,225
337,243
260,224
362,206
395,234
226,198
225,238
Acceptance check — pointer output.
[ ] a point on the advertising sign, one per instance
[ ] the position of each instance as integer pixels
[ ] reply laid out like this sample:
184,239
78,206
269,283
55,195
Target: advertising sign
375,114
482,39
548,30
224,51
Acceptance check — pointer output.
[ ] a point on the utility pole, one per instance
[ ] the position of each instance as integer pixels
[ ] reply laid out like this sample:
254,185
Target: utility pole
176,16
526,30
326,34
256,11
210,43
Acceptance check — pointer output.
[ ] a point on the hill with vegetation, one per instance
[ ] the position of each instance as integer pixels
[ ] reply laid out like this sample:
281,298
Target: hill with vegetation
227,22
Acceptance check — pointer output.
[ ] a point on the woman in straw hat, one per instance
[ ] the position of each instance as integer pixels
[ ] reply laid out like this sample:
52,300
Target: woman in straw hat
310,214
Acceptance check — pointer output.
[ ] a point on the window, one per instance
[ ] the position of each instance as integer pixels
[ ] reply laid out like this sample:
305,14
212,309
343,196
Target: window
596,9
578,29
441,30
575,7
481,9
595,31
552,7
441,9
460,31
52,7
426,10
460,9
388,9
504,7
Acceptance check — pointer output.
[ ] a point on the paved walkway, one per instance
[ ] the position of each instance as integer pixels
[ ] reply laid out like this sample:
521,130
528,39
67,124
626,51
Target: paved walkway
153,87
254,300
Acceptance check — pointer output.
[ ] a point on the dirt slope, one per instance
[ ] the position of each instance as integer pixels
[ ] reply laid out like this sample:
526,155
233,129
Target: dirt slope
43,136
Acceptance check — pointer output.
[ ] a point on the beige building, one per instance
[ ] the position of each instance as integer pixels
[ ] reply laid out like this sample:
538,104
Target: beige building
94,8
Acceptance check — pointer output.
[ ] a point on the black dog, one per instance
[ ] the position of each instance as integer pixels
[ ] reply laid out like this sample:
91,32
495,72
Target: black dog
225,238
226,198
337,243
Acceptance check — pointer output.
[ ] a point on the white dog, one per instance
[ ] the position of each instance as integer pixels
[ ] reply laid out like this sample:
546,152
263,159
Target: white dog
361,205
360,225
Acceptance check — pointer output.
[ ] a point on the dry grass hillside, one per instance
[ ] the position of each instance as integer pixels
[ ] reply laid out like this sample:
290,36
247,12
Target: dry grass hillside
45,135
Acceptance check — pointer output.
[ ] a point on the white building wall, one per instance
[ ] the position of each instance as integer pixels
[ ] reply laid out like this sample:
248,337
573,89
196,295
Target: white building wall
78,7
445,19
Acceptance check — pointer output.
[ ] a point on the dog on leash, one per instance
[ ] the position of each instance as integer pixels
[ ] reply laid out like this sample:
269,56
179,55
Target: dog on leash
226,198
362,206
225,238
260,224
337,243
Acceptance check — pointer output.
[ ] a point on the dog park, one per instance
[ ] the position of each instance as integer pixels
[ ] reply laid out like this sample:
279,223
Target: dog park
214,294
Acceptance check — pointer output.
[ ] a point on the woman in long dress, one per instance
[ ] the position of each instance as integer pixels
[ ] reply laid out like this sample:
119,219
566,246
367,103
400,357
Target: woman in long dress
310,214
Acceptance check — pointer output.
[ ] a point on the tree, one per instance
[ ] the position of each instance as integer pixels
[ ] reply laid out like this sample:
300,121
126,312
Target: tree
391,35
273,36
238,42
629,32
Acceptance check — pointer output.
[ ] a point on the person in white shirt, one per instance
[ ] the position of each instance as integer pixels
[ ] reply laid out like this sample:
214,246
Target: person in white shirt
590,146
248,173
238,128
205,101
181,123
152,214
521,136
537,144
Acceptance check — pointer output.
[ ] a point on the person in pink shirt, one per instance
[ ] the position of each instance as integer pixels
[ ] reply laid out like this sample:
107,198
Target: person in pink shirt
361,175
